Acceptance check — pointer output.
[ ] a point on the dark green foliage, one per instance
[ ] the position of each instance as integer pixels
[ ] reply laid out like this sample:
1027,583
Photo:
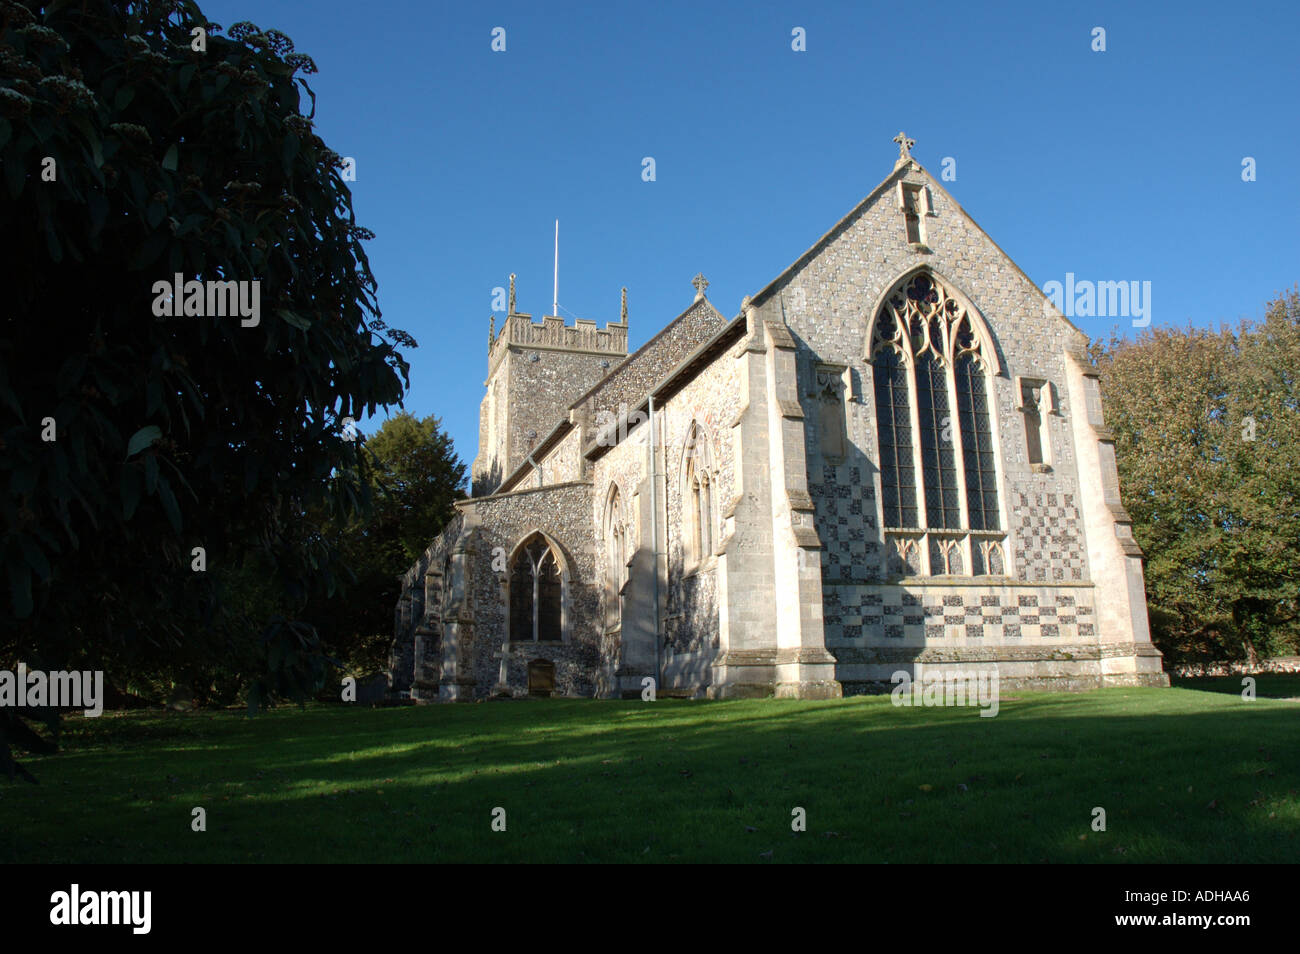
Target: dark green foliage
182,432
416,477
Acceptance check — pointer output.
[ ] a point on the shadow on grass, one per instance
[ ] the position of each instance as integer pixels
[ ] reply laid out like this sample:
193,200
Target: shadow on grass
1268,685
1181,776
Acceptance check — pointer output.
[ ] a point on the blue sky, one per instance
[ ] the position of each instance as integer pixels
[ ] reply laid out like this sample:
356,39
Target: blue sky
1122,165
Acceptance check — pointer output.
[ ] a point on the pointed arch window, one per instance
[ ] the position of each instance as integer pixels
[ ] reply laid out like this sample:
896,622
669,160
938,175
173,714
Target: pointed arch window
536,593
938,465
616,557
697,498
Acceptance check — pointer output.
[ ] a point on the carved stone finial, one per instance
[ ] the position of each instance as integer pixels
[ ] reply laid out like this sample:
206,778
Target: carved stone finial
622,312
904,145
701,285
492,330
744,304
512,293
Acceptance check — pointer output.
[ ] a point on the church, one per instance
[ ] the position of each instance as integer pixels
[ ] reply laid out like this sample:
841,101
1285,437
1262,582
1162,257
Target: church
894,458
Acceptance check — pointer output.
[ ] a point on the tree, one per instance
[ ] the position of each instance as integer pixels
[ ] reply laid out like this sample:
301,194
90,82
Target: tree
1207,438
139,145
416,478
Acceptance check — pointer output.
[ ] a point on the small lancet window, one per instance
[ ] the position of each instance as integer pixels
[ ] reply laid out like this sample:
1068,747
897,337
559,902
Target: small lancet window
616,544
1035,406
830,390
697,516
700,544
915,204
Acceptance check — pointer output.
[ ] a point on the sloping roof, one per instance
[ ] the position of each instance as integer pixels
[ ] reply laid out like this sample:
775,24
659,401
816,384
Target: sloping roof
677,378
644,350
900,169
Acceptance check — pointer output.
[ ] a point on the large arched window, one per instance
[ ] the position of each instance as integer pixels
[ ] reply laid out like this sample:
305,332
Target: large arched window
536,592
697,498
937,461
616,556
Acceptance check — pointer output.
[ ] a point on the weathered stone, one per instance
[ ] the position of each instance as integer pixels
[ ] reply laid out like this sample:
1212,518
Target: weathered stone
713,503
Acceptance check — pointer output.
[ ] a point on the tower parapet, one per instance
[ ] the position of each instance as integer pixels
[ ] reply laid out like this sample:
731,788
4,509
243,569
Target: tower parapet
535,370
551,332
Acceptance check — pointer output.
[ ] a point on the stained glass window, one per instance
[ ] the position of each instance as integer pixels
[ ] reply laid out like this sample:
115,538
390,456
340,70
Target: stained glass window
938,463
925,352
536,593
894,428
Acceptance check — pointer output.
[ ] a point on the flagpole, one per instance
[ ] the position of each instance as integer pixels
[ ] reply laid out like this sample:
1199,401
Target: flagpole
555,298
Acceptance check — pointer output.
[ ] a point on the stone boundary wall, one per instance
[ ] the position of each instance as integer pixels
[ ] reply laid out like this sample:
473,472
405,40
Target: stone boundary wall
1236,667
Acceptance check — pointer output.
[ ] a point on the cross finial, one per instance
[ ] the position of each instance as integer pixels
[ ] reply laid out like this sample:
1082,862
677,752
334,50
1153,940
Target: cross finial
622,312
512,293
701,285
904,145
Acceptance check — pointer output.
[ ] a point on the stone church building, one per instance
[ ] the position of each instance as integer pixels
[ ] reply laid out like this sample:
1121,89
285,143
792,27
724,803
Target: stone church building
893,458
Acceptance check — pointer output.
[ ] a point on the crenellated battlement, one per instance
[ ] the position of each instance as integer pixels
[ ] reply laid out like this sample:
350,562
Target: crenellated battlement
535,369
551,332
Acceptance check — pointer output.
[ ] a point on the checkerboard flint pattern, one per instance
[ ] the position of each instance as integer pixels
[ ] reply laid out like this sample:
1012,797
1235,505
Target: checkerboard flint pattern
846,524
853,613
1049,544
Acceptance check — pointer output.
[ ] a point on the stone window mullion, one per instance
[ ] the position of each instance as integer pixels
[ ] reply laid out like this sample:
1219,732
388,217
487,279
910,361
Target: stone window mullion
918,470
954,426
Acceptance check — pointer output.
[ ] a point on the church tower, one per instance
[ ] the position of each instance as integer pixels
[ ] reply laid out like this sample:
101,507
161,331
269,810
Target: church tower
535,371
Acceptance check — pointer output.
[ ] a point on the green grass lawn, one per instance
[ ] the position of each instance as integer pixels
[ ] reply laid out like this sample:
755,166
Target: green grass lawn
1184,775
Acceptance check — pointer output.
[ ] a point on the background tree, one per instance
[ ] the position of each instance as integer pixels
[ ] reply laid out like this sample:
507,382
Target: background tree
138,144
416,477
1207,428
